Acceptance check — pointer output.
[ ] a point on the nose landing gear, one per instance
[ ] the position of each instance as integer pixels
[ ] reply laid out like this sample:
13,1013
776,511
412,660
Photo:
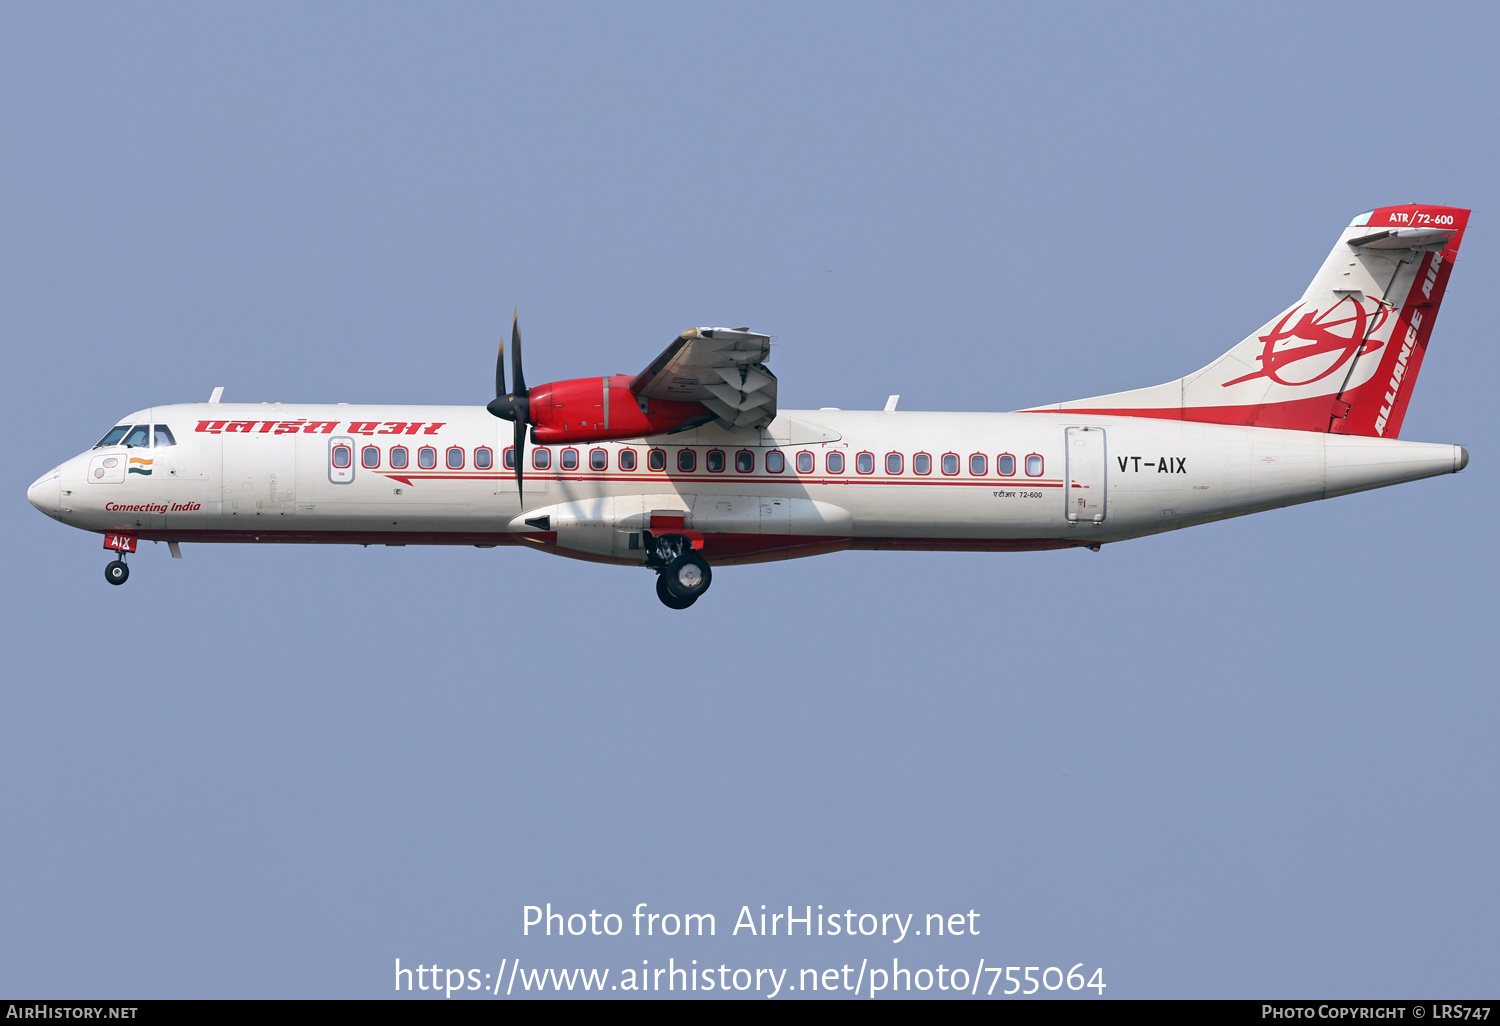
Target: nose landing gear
120,544
682,575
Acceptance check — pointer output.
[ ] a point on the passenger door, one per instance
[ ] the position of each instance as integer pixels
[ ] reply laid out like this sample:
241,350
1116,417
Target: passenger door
1085,477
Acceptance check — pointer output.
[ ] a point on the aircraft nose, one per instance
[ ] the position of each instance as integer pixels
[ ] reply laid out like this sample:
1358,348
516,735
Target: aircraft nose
45,492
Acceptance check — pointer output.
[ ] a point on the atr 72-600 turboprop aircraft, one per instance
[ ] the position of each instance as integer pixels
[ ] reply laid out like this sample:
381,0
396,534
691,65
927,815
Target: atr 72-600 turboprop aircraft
690,464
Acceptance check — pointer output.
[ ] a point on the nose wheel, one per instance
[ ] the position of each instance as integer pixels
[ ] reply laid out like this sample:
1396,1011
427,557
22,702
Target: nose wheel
117,572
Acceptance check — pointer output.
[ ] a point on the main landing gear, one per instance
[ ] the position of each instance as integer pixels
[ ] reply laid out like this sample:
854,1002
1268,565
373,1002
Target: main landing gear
117,572
683,580
682,575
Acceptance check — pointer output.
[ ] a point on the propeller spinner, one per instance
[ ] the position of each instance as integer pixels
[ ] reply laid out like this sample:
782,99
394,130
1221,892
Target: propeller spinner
514,406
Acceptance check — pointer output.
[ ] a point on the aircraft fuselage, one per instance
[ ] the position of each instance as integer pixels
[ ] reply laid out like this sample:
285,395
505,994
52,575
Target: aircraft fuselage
812,481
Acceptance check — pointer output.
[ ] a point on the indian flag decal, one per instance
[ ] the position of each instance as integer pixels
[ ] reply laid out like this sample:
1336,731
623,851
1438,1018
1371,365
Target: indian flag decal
139,466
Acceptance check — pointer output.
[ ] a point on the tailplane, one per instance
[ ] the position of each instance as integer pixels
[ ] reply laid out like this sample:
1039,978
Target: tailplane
1344,358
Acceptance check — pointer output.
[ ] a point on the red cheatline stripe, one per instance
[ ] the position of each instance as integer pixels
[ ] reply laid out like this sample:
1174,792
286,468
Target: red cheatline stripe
340,537
863,479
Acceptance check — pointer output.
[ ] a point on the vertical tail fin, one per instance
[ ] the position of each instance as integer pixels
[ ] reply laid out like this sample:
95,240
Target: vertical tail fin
1344,358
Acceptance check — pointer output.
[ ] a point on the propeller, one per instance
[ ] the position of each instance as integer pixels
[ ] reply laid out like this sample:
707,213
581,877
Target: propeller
514,406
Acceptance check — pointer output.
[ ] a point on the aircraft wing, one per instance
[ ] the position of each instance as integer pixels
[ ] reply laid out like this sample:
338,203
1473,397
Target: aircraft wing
722,368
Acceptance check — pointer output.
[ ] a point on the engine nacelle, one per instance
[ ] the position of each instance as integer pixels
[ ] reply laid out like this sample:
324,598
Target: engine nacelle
597,409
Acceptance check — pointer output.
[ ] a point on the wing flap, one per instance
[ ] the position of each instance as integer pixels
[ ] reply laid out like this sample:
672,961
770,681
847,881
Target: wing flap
722,368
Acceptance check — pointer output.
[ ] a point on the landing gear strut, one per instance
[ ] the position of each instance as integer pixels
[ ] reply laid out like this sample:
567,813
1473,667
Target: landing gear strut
682,575
117,572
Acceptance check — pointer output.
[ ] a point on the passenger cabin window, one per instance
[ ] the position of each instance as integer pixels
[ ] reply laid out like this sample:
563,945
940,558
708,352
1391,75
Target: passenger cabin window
1005,464
161,436
508,458
865,463
627,459
1033,465
714,461
369,457
113,436
687,459
455,458
598,459
656,459
484,458
399,456
744,461
140,435
979,465
835,463
893,463
806,461
342,456
950,463
921,463
775,461
541,459
427,457
568,459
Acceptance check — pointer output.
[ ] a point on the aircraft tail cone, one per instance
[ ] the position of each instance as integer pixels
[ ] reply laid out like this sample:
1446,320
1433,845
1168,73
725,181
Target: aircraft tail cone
1354,463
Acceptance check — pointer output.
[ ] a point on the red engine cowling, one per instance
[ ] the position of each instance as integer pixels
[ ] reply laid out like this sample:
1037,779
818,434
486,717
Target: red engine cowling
597,409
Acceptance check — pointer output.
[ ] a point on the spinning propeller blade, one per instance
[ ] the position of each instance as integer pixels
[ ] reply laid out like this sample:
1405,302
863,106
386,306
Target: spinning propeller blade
514,405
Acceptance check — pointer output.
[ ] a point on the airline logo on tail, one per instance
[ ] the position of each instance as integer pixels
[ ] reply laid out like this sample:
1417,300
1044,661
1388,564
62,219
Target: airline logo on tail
1317,331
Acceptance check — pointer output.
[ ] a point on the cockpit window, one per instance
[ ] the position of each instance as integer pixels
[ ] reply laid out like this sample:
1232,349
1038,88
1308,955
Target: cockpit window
114,436
139,435
163,436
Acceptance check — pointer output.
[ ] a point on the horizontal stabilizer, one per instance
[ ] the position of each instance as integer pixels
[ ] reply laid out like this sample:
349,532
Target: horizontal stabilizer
1403,238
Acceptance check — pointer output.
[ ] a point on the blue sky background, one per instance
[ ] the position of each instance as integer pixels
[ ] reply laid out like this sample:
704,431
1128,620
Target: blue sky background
1254,758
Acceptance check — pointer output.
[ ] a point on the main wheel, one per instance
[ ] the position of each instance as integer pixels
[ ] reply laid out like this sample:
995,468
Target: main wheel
117,572
667,598
687,576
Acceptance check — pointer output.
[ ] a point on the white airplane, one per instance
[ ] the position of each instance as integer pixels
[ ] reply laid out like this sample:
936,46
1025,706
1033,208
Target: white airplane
690,464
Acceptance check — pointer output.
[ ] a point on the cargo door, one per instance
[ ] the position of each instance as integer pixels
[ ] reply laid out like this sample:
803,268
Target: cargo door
260,476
